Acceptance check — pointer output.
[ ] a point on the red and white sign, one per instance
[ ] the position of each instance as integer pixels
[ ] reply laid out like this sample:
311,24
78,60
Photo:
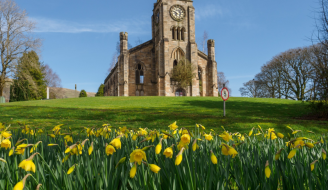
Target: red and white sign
225,94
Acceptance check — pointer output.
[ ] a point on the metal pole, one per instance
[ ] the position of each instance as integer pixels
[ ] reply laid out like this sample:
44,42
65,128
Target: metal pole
223,108
223,104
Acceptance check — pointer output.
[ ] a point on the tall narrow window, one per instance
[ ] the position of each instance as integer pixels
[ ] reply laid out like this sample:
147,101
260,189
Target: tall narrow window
139,74
172,33
178,31
182,34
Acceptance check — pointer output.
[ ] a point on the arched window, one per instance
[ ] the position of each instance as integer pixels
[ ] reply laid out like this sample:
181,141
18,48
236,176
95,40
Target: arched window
139,74
175,63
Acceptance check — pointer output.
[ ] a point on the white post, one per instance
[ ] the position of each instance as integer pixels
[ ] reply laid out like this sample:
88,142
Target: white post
47,93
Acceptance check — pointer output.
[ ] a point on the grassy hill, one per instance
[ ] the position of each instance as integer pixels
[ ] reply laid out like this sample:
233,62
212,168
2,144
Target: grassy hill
159,112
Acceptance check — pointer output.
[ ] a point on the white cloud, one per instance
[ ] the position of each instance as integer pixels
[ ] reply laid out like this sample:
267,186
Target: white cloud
62,26
209,11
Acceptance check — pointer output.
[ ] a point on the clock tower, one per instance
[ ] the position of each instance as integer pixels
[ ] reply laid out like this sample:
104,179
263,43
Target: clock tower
173,33
145,70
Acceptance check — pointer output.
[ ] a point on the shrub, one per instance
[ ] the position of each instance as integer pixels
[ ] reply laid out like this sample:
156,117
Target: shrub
83,93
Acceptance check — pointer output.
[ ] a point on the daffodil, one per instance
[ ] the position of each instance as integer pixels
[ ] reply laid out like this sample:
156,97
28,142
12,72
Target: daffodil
294,132
116,143
158,148
28,164
134,137
133,171
68,138
293,152
310,145
5,134
11,152
251,132
267,170
280,135
154,168
137,156
185,139
208,137
35,146
20,185
226,136
178,158
194,145
65,158
312,165
228,150
110,150
271,134
90,148
77,150
168,152
71,169
213,158
277,156
6,144
173,126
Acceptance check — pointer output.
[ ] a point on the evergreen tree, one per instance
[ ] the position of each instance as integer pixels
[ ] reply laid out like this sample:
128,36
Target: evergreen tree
83,93
100,90
30,69
19,93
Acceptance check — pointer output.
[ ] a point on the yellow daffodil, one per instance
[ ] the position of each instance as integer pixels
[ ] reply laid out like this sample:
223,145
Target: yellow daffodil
52,136
34,147
66,158
168,152
110,150
20,185
312,165
271,134
294,132
228,150
137,156
322,140
185,139
133,171
226,136
28,164
203,127
208,137
5,134
11,152
280,135
134,137
277,156
310,145
173,126
194,145
267,170
77,150
158,148
52,144
213,158
293,152
178,158
6,144
71,169
154,168
68,138
116,143
90,148
251,132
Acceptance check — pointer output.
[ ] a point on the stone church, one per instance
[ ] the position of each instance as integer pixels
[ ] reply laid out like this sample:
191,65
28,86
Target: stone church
145,69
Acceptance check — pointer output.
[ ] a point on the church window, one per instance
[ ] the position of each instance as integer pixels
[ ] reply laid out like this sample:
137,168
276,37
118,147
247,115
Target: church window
173,33
178,33
175,63
182,34
139,74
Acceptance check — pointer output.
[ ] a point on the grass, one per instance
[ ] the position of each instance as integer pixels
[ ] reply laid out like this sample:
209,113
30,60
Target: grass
158,112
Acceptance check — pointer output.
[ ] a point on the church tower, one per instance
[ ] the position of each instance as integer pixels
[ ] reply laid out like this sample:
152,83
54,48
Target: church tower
173,32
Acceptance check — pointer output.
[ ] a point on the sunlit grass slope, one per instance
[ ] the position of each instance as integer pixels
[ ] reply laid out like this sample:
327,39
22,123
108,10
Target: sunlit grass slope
159,112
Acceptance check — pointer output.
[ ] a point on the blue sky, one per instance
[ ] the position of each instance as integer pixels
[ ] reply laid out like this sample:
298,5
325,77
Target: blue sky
79,36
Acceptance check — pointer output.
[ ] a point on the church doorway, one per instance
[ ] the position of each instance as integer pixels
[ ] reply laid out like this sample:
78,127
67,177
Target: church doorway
180,92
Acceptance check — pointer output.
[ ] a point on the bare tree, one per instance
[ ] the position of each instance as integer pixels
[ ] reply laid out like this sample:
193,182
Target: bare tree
54,82
15,37
203,42
252,89
222,80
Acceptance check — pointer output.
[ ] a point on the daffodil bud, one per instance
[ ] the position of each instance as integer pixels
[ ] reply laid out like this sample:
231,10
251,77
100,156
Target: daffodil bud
267,169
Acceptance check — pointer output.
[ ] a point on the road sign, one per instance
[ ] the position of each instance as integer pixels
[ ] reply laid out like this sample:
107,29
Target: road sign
225,94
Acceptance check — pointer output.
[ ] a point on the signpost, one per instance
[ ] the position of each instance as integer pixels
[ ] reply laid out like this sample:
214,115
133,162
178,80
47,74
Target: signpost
225,97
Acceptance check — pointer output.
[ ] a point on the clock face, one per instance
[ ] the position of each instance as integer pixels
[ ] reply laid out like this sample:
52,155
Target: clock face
177,12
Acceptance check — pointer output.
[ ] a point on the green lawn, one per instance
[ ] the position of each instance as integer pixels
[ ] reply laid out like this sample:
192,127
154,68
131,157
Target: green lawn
159,112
